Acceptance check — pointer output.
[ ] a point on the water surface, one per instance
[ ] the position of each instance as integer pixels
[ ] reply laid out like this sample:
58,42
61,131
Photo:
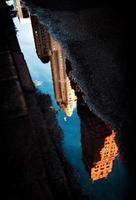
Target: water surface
110,188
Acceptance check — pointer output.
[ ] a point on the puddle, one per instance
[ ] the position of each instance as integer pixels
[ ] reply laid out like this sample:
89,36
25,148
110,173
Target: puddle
88,143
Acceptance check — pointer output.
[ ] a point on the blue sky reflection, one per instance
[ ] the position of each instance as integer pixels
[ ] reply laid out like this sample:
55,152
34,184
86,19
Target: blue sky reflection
105,189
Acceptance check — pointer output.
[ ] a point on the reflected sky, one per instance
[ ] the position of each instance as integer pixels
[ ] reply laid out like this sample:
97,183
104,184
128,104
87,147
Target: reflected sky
105,189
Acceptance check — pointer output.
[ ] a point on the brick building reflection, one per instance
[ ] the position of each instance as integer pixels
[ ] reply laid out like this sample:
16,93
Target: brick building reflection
48,48
98,139
98,144
42,39
65,95
23,11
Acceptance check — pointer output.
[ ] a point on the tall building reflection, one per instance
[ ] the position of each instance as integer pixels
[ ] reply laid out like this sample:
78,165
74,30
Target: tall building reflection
98,144
42,39
65,95
48,48
98,139
23,11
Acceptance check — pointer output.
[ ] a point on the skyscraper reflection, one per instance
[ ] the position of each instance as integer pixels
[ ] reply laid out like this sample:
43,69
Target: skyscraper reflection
98,144
41,38
48,48
65,95
23,11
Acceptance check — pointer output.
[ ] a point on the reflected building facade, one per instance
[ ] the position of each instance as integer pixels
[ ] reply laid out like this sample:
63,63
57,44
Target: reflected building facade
23,11
48,48
98,144
42,39
65,95
108,153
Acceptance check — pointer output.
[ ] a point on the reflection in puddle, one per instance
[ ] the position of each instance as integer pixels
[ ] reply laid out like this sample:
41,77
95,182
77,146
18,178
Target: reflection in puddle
65,95
22,10
97,147
108,153
41,38
49,49
98,143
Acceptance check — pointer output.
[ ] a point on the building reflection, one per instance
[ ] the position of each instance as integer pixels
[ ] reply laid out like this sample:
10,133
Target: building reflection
98,139
23,11
48,48
65,95
98,144
42,39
